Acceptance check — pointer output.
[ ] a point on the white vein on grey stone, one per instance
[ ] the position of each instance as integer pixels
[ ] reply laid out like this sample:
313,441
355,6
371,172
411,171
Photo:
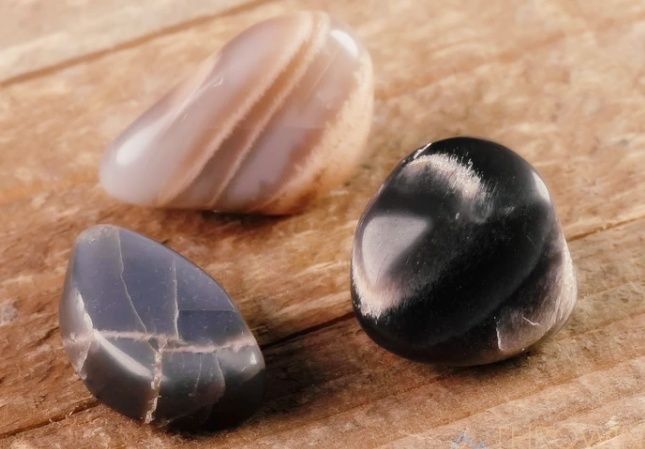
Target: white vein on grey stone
140,336
155,384
83,342
176,297
89,339
235,345
125,285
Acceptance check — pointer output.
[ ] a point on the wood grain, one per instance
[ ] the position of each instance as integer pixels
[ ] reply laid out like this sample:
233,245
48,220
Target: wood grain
40,37
561,82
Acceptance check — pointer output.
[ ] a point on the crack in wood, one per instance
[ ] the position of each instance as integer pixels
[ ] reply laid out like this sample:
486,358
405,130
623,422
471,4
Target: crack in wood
92,56
605,227
86,405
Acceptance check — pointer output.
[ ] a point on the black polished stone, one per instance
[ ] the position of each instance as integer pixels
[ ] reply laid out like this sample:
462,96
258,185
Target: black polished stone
154,337
459,258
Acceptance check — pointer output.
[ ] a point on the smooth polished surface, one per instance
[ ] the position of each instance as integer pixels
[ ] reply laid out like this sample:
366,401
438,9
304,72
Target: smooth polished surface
275,119
459,258
153,336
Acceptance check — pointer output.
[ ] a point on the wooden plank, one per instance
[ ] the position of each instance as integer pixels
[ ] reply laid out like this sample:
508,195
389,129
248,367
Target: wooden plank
561,82
97,111
632,438
251,256
314,385
40,36
362,409
431,413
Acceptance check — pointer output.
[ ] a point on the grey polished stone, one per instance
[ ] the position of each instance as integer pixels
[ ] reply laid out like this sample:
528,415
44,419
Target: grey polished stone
155,337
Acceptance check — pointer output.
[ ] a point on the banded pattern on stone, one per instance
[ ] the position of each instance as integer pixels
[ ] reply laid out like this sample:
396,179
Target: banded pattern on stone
275,119
155,337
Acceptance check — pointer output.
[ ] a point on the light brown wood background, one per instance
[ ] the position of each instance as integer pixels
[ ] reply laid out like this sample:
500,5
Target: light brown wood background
560,81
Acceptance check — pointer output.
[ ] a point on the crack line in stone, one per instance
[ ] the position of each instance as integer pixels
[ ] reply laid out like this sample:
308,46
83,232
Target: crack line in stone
125,286
140,336
155,385
235,345
176,296
79,364
85,340
201,349
86,352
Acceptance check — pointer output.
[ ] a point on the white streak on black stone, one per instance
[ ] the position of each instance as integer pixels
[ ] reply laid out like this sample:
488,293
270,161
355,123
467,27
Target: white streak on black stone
532,323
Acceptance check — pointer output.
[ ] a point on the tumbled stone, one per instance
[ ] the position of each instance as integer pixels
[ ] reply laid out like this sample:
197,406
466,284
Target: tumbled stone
153,336
459,258
275,119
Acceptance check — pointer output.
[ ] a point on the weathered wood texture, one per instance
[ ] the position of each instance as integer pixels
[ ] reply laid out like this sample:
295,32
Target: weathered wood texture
44,36
562,82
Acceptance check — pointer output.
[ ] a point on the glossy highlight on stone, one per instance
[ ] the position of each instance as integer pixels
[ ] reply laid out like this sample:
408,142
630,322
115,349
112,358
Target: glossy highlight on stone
273,120
459,259
153,336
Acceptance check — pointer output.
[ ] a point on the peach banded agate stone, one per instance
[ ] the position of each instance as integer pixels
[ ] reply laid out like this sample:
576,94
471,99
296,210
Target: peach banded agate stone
275,119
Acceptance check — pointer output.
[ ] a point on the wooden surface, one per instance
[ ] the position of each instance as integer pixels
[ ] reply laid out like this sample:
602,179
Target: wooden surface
561,81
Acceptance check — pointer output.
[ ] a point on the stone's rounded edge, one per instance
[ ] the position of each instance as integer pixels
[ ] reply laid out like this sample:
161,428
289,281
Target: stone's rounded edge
325,163
568,291
115,188
241,397
517,333
130,385
74,328
95,232
328,165
109,182
458,351
73,319
244,392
